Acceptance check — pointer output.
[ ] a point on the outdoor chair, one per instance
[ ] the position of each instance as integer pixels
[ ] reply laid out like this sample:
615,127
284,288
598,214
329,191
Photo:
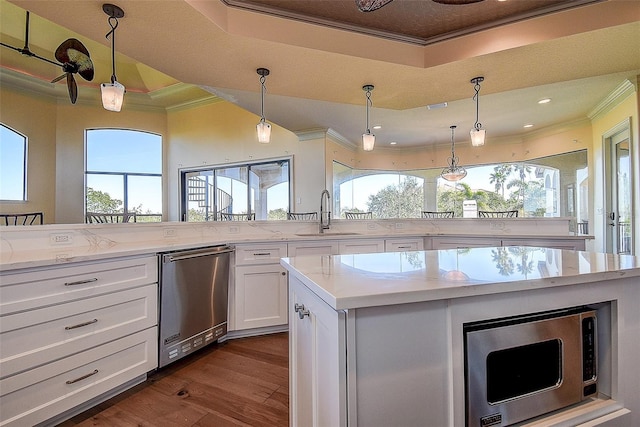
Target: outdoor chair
498,214
358,215
302,215
431,214
32,218
237,217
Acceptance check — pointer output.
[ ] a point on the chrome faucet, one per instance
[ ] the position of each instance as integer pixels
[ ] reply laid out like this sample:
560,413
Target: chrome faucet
324,226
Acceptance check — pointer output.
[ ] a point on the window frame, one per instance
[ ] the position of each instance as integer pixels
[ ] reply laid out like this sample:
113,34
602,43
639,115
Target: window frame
183,194
25,163
125,175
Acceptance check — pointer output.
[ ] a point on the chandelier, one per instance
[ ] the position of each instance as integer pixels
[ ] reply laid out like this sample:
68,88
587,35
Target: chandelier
453,172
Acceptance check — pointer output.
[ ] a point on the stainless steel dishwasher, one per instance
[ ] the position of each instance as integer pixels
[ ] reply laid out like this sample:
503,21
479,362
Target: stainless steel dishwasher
194,287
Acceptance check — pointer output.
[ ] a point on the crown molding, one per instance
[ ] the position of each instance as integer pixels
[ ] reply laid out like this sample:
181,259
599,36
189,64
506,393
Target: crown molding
619,94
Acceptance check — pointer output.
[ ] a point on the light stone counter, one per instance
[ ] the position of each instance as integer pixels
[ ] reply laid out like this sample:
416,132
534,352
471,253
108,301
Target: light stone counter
379,279
37,246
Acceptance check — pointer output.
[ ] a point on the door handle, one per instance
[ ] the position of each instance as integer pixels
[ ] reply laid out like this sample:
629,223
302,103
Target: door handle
612,216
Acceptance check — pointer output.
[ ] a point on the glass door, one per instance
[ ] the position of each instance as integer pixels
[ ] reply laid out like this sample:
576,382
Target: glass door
618,229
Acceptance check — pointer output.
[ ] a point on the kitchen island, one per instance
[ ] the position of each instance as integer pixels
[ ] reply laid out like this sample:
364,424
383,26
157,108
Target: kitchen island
377,339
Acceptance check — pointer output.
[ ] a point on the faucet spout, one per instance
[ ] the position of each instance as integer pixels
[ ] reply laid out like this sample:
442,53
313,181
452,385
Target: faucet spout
324,225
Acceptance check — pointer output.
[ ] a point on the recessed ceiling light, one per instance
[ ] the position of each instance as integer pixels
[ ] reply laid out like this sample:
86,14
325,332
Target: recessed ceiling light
544,101
392,143
528,125
377,127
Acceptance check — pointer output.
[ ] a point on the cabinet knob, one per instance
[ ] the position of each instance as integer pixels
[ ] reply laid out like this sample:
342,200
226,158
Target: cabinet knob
303,313
297,307
284,273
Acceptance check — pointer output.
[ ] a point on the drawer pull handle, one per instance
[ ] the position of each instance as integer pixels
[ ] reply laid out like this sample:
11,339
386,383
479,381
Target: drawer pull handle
404,247
262,254
81,282
80,325
84,377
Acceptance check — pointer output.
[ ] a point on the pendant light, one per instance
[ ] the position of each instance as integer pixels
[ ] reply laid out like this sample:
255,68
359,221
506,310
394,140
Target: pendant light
263,128
477,133
453,172
112,93
368,139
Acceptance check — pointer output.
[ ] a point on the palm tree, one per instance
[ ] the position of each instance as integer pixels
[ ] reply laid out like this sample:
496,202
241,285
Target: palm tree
499,177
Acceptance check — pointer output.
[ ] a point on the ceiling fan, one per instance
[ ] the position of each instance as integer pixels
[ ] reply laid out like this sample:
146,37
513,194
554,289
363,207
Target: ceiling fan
72,56
371,5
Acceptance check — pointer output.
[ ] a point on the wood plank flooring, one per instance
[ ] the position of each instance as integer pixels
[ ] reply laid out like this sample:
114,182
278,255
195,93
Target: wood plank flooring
241,382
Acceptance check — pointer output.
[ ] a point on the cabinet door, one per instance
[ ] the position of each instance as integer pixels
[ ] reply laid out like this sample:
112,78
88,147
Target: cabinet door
361,246
317,361
260,296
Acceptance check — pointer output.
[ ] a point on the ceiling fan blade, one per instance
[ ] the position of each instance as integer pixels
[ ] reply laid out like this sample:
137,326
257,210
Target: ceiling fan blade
76,55
73,88
60,77
371,5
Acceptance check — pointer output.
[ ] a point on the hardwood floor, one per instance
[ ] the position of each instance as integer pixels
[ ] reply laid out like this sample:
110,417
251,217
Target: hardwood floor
241,382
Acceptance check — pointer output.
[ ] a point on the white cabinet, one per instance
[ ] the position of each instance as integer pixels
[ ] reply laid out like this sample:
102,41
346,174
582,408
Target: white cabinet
568,244
361,246
402,244
316,247
463,242
260,287
317,361
69,334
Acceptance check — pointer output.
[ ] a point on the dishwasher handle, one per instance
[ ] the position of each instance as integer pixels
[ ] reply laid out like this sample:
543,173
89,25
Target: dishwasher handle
177,256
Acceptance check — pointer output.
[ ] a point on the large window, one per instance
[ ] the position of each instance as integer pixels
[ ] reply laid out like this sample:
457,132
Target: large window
552,186
257,191
124,174
13,165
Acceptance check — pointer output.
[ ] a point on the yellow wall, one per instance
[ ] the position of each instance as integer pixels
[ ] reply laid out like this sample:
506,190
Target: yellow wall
36,119
624,111
222,133
55,132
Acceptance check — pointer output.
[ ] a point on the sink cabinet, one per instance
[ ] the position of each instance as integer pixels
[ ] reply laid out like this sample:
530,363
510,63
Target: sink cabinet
259,290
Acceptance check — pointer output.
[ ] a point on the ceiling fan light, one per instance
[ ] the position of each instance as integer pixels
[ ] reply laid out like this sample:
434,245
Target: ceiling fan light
368,141
477,137
112,96
263,130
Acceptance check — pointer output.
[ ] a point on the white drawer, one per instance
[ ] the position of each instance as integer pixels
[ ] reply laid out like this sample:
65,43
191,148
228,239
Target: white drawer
260,253
404,244
318,247
44,392
361,246
36,337
28,289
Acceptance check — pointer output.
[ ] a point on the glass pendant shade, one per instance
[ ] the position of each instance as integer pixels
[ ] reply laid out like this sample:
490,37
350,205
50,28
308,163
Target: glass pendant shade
477,137
112,96
112,93
368,141
264,132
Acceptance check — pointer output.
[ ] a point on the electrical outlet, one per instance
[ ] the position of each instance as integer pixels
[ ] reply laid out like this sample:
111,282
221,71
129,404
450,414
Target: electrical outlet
371,226
233,230
399,225
61,239
496,225
170,232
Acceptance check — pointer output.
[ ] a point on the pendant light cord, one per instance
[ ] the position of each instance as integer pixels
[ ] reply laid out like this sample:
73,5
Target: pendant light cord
476,98
263,79
369,103
112,33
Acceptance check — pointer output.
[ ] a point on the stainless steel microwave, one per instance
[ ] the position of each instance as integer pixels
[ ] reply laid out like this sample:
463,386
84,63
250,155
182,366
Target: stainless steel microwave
521,367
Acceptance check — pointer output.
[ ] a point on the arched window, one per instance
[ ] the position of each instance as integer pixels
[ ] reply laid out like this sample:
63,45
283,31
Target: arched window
13,165
123,176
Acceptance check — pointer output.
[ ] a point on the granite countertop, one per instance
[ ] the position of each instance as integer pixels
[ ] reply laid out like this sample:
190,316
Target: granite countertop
48,245
365,280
